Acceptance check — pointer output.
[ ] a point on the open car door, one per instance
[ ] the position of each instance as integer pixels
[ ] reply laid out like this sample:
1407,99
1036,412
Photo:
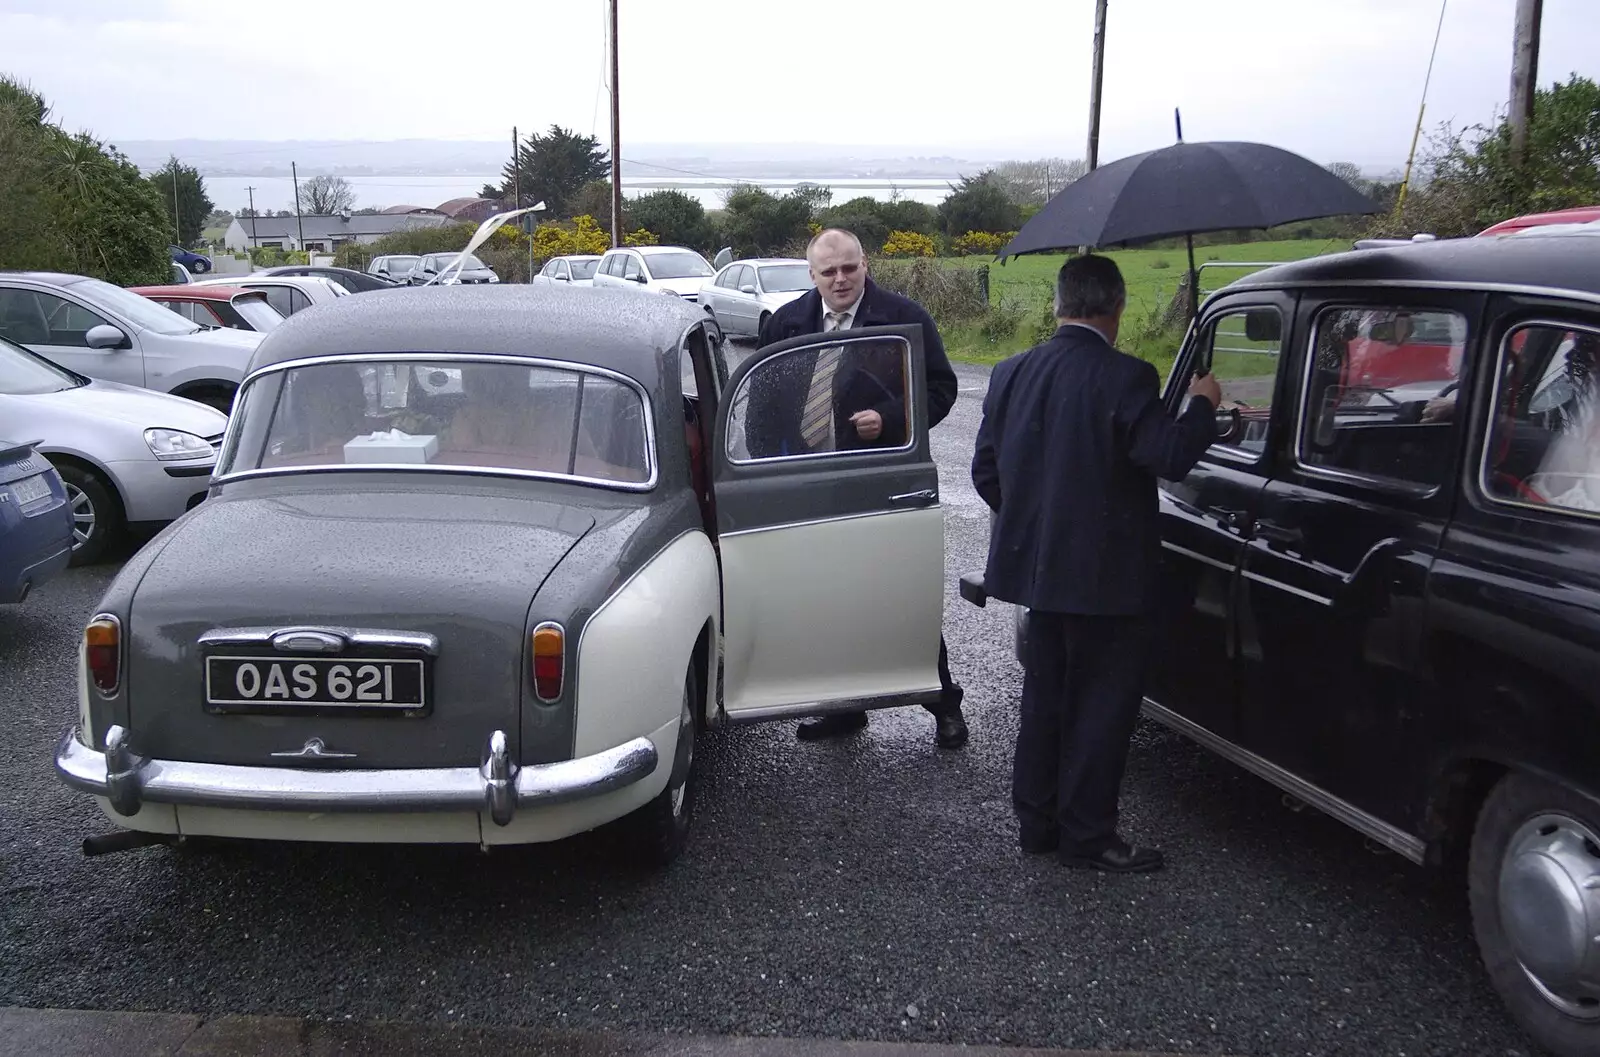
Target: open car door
832,553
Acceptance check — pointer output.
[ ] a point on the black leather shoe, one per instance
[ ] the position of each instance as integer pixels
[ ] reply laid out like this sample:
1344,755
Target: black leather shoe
834,726
950,730
1120,857
1039,845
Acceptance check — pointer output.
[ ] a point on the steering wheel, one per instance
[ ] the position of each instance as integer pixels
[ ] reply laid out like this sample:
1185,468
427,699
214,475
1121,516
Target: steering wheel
1447,390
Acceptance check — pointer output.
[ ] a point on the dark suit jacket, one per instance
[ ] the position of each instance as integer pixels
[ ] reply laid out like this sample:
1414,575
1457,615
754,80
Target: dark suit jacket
869,378
1072,441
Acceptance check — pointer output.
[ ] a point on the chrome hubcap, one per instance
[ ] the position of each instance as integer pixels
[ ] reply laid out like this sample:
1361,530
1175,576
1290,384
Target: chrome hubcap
1550,909
82,515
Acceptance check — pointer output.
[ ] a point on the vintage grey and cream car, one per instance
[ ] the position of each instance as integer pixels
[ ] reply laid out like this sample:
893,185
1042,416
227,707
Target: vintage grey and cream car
498,610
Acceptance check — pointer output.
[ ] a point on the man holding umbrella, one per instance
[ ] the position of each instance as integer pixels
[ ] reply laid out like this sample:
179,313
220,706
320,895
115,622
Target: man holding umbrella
1072,441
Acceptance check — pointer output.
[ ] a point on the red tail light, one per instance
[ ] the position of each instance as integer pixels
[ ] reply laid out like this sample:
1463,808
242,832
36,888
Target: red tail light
549,660
102,640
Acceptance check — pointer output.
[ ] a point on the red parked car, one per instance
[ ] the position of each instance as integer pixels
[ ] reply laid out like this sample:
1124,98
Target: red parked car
1575,215
216,306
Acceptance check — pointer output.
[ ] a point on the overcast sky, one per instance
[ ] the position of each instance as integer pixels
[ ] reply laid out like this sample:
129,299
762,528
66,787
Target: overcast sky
1333,79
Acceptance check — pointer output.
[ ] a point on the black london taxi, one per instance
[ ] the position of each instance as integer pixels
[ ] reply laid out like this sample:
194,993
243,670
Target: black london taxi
1382,584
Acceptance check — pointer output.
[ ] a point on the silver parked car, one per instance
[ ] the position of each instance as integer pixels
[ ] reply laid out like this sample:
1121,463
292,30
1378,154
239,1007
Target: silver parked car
287,293
575,269
393,266
743,294
115,335
672,270
131,459
471,271
602,579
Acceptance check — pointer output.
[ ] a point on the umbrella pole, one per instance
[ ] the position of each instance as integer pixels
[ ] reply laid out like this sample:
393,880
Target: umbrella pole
1194,279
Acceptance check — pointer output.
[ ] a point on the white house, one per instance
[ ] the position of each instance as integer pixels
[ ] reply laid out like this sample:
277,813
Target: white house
324,233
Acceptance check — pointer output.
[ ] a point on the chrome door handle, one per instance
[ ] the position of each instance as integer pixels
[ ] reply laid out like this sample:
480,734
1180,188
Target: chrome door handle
921,498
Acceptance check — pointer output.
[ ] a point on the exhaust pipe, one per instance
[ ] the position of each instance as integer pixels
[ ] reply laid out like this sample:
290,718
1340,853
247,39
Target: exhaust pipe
125,840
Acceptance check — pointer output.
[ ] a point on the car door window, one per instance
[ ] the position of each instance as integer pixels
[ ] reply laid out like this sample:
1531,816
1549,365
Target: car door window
1243,348
1543,447
814,402
278,297
631,268
67,321
298,300
1381,392
22,319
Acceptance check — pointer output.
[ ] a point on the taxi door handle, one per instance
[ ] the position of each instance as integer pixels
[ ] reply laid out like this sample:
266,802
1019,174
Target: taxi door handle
919,498
1281,535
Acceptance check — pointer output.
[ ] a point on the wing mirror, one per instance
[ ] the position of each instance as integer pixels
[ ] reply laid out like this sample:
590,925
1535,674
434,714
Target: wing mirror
747,288
105,336
639,278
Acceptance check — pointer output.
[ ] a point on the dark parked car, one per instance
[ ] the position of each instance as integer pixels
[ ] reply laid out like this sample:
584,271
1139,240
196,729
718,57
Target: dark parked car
1386,599
35,521
353,281
189,259
608,570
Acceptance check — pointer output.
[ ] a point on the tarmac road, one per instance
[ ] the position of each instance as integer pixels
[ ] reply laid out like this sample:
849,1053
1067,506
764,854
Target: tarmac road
869,889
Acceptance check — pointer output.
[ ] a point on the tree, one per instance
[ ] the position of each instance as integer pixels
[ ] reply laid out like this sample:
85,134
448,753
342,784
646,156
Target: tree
677,219
759,223
1469,180
1350,173
594,200
70,203
192,203
978,204
553,167
325,195
1036,182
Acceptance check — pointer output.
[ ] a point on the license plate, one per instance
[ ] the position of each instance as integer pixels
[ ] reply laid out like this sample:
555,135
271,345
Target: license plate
30,489
322,684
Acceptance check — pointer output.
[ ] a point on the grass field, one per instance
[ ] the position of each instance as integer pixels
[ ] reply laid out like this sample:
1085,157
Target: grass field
1152,277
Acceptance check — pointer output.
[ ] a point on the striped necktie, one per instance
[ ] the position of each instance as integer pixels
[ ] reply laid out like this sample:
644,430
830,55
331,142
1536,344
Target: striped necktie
816,421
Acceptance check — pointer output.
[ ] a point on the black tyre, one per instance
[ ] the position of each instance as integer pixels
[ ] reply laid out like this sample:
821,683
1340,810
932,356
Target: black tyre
1534,886
655,834
96,513
761,324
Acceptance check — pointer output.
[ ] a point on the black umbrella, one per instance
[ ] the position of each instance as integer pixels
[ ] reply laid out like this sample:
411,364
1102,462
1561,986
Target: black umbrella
1186,189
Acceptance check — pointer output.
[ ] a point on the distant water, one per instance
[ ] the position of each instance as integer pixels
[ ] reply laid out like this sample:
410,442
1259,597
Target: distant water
277,192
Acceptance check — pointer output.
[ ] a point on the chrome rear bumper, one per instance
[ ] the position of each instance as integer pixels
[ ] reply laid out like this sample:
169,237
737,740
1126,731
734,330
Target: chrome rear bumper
498,786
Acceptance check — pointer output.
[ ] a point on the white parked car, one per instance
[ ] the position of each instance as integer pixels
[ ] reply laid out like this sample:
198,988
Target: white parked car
287,293
575,269
743,294
112,334
130,459
674,270
395,266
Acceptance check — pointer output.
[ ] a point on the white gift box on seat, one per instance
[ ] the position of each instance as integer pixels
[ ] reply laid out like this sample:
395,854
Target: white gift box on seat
390,446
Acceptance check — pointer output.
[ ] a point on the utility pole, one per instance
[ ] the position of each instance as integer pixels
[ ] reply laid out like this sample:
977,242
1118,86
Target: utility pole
1524,74
616,145
1094,83
253,243
177,231
516,172
299,225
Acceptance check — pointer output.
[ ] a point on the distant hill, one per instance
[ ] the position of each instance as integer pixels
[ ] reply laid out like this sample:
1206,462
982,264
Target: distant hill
433,157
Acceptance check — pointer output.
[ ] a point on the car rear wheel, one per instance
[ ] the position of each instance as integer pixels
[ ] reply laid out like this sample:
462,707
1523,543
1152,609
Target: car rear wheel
1534,886
656,833
761,324
96,514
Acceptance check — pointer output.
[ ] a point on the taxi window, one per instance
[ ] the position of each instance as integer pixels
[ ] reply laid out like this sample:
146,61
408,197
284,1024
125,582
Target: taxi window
1543,448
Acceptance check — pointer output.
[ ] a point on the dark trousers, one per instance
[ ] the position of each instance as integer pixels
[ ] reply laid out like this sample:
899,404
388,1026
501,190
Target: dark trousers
1081,690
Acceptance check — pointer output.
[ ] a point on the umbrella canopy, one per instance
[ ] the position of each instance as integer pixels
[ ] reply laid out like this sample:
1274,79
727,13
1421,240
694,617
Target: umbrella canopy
1186,189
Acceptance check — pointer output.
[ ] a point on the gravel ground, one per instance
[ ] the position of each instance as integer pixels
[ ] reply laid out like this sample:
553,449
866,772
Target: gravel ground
868,889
